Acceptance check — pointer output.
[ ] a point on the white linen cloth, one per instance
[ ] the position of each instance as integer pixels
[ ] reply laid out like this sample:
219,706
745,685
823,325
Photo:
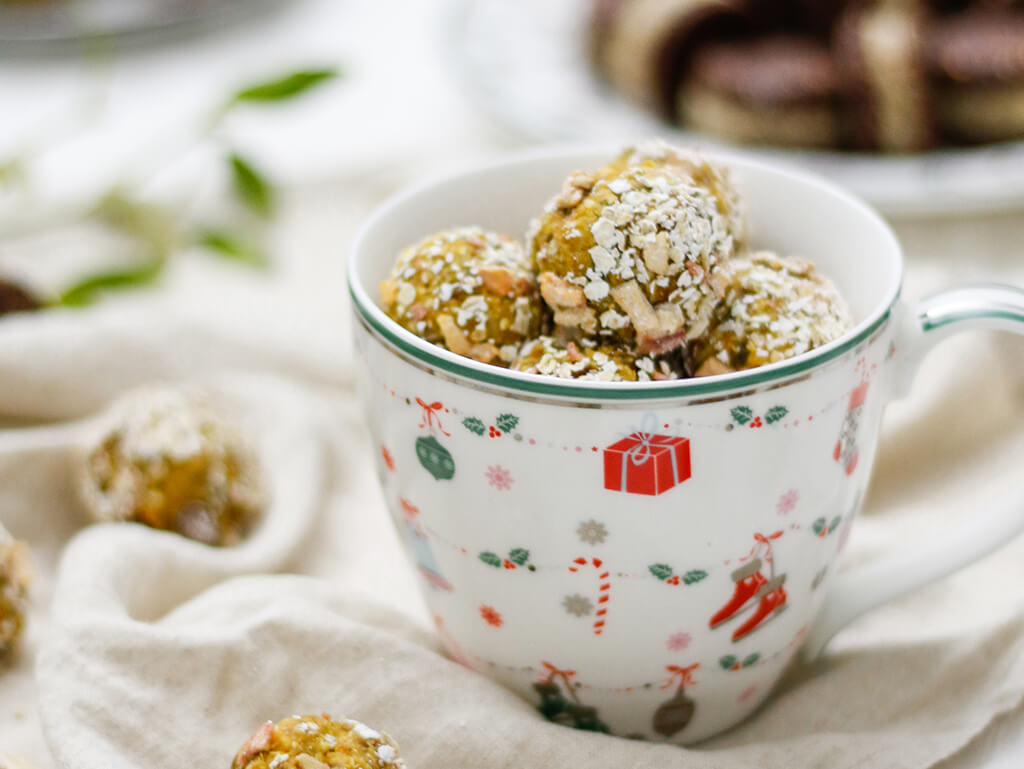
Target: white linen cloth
156,650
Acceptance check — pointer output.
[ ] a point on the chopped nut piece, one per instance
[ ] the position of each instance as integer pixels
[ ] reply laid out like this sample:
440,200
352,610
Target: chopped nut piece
630,297
501,280
583,318
260,741
712,367
670,318
656,255
454,337
574,188
485,352
560,293
417,311
306,761
574,352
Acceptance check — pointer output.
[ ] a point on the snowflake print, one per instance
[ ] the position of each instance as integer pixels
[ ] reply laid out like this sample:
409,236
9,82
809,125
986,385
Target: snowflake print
592,532
389,461
578,605
747,693
499,478
678,641
491,616
787,502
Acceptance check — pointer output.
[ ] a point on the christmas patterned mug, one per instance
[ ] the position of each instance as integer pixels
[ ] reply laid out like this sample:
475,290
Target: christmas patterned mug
646,558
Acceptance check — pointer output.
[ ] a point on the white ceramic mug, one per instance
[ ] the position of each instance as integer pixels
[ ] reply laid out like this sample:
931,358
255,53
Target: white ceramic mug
646,558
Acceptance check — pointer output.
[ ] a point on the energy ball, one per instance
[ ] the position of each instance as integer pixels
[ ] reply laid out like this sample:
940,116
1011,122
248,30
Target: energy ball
165,458
317,742
590,361
467,289
15,577
775,309
634,252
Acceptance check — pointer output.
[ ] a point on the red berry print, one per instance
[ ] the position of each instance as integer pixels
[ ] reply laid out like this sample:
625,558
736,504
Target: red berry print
756,423
491,616
493,432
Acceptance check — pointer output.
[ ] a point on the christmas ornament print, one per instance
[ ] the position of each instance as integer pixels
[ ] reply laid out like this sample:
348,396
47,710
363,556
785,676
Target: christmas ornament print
560,702
646,463
434,457
673,716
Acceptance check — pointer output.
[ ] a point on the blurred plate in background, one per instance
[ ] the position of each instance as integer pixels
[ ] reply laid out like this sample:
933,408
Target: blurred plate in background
525,63
25,23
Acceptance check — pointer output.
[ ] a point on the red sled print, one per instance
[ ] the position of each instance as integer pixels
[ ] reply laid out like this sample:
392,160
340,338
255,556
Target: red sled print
646,464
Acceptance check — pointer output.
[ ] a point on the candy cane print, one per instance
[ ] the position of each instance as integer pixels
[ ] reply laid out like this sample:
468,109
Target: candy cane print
603,590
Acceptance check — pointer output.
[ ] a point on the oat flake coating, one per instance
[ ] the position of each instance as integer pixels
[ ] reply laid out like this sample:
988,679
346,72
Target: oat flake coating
467,289
634,252
167,459
15,577
317,742
775,309
592,362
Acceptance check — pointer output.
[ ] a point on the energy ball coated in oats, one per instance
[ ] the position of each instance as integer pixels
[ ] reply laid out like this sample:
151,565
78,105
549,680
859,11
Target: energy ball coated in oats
775,309
468,289
587,360
634,252
15,577
317,742
167,459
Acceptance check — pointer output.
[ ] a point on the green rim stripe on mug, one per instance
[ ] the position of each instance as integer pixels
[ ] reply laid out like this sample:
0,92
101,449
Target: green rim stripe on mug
540,385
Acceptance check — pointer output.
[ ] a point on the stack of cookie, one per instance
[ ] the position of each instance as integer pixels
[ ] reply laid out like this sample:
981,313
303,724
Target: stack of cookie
873,75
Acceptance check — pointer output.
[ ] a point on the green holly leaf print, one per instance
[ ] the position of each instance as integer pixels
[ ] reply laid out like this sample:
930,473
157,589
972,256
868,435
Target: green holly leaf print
507,422
727,661
775,413
742,414
693,576
519,556
491,559
834,523
661,570
818,526
474,425
751,660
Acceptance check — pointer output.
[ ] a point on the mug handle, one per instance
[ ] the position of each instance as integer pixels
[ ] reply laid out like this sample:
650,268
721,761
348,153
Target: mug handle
865,587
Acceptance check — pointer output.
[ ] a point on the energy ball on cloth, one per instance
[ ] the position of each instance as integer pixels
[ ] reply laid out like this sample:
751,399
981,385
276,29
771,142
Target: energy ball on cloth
15,577
590,361
317,742
166,458
634,252
775,309
468,289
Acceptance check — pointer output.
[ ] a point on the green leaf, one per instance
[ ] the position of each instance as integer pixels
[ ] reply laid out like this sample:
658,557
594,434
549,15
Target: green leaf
661,570
751,660
775,413
834,524
519,556
491,559
86,290
742,414
474,425
727,661
251,186
507,422
285,87
818,526
693,576
232,247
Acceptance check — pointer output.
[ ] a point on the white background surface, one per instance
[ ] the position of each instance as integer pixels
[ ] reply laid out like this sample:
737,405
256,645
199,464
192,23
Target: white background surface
396,116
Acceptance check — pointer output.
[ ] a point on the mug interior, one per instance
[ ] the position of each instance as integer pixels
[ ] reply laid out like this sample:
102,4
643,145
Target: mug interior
791,212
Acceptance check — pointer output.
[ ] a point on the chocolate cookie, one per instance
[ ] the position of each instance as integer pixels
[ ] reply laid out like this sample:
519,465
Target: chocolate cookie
780,90
978,65
880,51
644,46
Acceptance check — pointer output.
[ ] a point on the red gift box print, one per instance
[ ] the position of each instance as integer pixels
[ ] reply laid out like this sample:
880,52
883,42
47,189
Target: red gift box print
644,463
